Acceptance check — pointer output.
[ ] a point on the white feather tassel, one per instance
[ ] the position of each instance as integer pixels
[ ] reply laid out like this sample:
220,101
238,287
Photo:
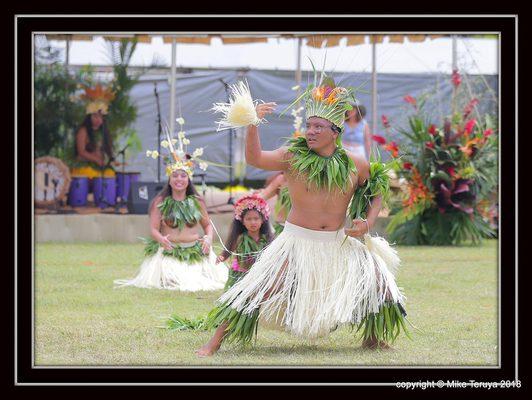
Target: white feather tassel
240,111
379,246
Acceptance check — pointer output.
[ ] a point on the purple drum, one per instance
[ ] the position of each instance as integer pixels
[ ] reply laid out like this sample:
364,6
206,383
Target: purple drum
122,185
79,188
104,190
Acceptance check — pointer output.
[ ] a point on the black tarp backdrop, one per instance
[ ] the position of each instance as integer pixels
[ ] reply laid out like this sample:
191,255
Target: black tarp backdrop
198,90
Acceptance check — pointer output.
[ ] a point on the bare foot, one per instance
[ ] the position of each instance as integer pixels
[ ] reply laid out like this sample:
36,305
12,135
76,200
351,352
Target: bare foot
207,350
214,344
373,344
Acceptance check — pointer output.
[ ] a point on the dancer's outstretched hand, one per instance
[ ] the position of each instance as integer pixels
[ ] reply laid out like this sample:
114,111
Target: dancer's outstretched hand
220,259
166,243
359,228
265,109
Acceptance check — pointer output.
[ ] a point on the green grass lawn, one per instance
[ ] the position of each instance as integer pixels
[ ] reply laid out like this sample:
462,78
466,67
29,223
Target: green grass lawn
81,320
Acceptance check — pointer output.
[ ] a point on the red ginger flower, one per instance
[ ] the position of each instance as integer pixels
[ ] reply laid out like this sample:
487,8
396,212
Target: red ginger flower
430,145
469,126
432,129
379,139
456,78
407,166
488,132
469,107
409,99
385,121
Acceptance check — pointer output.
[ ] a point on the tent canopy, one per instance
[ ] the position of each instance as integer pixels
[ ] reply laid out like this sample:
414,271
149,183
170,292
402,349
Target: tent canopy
316,40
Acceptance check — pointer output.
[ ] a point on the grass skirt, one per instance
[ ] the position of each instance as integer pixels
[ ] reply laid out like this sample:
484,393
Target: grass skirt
160,271
311,281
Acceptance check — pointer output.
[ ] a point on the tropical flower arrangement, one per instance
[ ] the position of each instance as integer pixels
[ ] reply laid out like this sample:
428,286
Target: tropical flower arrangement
449,170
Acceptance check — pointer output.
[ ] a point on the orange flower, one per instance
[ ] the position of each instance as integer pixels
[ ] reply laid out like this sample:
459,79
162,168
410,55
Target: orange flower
99,93
469,146
393,148
318,93
417,191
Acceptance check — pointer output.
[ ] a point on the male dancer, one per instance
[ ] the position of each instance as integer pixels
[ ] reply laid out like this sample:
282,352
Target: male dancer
312,277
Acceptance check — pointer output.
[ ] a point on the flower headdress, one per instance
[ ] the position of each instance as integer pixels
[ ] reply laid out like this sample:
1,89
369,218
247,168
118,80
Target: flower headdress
252,202
178,158
97,98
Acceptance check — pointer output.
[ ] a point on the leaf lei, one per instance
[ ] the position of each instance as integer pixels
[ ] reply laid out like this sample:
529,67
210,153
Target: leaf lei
189,255
324,172
181,212
247,249
283,200
378,184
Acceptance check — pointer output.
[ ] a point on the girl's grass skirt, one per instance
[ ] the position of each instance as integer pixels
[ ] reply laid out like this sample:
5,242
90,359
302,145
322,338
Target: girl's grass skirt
160,271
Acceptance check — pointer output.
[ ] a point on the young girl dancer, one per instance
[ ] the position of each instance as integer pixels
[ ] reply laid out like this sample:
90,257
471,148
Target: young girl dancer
250,233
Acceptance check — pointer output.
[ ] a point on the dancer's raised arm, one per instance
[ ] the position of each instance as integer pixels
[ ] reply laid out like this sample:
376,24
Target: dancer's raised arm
269,160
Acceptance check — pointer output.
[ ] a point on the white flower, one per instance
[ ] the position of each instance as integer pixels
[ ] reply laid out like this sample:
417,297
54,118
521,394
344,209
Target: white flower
186,141
154,154
180,154
295,87
203,165
165,144
174,141
198,152
148,153
181,135
180,121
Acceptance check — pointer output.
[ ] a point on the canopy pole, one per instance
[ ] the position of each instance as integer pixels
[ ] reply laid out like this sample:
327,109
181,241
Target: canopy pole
67,52
374,83
172,87
454,63
298,67
455,52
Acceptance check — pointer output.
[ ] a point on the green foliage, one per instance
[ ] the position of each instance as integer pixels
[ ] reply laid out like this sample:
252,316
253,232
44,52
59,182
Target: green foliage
122,110
179,213
248,248
451,171
242,328
189,255
378,184
386,325
56,114
177,323
283,201
323,172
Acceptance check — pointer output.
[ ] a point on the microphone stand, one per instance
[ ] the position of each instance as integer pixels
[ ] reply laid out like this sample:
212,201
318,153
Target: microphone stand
122,202
159,129
231,200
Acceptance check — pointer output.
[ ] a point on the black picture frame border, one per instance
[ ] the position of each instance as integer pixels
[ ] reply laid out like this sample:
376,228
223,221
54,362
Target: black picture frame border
25,374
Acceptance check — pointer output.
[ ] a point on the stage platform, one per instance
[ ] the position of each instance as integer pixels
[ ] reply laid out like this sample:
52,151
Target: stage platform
121,228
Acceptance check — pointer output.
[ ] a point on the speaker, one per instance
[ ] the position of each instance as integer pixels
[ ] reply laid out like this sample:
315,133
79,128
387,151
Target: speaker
140,195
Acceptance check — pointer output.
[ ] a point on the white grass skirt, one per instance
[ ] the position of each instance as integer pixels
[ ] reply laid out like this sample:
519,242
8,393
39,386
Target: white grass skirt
165,272
310,282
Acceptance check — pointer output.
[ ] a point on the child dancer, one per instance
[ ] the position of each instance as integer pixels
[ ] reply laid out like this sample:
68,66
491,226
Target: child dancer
250,233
